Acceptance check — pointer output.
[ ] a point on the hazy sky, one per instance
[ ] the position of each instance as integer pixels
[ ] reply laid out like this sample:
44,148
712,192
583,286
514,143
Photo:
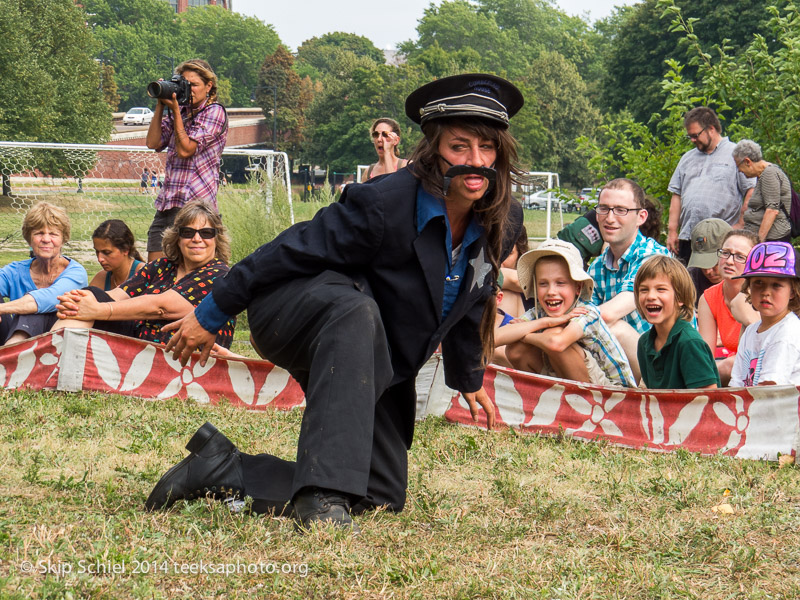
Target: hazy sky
385,22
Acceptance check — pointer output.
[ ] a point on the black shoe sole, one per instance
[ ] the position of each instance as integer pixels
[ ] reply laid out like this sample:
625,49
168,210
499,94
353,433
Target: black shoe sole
161,496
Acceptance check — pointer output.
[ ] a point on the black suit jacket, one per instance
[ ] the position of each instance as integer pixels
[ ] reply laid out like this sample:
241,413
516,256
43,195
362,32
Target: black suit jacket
371,235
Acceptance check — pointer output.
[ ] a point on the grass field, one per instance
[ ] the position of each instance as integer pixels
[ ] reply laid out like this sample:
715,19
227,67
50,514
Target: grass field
489,515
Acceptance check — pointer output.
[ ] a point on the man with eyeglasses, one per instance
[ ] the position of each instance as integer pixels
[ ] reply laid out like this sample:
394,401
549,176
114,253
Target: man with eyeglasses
706,182
620,211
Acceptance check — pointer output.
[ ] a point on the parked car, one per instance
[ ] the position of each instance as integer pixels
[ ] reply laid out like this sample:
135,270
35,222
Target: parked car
138,115
538,201
588,196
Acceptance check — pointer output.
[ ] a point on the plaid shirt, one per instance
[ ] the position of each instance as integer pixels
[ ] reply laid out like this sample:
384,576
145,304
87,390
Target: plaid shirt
608,282
197,177
599,342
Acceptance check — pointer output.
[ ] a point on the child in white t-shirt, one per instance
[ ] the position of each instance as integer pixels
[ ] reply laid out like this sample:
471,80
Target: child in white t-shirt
769,350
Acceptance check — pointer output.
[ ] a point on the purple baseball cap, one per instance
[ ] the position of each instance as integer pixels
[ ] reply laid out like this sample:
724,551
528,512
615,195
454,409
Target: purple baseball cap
772,259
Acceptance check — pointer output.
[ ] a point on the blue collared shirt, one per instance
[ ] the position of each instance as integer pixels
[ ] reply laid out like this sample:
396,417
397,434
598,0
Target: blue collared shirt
428,208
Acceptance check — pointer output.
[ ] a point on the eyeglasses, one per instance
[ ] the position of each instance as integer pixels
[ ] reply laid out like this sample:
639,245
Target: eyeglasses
694,136
725,255
620,211
206,233
383,134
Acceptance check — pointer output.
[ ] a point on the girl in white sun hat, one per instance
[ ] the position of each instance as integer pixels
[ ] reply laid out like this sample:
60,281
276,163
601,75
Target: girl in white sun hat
563,335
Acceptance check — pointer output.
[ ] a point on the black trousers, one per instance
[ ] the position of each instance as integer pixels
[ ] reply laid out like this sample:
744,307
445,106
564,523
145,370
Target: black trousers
684,251
356,430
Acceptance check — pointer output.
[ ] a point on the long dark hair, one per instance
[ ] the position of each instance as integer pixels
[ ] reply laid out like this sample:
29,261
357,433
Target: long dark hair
491,211
120,236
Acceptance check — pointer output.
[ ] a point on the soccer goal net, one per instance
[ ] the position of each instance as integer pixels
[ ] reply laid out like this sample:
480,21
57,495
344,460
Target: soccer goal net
98,182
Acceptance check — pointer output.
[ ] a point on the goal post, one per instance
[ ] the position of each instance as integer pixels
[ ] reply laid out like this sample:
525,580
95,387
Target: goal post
94,182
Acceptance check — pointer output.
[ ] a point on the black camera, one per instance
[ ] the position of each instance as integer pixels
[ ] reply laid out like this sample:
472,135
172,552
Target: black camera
177,85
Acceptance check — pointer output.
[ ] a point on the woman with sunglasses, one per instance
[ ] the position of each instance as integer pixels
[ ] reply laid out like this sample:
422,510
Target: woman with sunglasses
197,250
722,312
385,134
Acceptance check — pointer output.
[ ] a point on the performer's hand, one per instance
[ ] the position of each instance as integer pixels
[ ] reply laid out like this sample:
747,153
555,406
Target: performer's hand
480,398
189,336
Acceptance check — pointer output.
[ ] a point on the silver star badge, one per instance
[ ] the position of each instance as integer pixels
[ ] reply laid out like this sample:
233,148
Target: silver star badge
481,269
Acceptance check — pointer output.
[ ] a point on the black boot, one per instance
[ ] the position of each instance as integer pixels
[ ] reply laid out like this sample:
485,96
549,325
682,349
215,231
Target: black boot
213,469
323,507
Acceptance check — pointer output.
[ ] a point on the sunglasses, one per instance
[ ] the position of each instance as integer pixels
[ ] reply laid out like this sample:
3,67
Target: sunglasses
383,134
206,233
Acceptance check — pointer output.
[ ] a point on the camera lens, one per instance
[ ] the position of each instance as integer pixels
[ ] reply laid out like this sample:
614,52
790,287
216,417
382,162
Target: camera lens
162,89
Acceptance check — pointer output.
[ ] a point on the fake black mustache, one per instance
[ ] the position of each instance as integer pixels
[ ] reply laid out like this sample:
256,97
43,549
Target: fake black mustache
456,170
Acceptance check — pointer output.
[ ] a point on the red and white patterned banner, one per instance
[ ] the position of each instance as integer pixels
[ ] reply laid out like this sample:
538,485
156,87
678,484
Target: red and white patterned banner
757,422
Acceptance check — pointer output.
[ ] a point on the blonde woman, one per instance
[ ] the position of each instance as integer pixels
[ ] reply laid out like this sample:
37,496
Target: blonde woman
33,285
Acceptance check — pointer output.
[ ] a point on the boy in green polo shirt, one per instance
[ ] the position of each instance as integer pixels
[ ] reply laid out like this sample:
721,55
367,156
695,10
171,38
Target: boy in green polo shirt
672,355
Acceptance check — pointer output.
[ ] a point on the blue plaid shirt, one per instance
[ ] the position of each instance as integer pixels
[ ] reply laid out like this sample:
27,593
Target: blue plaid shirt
608,282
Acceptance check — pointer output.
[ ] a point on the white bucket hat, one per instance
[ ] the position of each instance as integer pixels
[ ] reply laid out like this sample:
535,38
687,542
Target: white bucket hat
527,264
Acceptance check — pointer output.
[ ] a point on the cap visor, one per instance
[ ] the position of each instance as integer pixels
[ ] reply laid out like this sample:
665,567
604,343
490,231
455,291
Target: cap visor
703,260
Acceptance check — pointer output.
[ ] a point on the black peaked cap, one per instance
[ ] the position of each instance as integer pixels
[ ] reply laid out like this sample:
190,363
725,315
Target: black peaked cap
470,95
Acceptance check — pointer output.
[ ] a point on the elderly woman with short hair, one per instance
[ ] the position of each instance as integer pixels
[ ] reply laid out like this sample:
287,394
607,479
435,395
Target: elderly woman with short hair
764,215
197,250
34,284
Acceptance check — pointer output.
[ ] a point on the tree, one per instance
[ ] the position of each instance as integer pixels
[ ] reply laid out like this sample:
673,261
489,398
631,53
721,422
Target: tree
472,39
141,39
355,93
645,40
286,97
556,94
51,84
109,86
234,44
145,40
753,90
313,55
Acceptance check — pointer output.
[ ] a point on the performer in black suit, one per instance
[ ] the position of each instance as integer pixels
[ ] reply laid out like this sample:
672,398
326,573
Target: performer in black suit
353,303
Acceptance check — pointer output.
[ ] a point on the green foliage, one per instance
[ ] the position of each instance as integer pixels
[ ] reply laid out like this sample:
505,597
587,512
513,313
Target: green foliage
541,50
314,55
139,38
644,40
755,89
145,39
357,92
50,82
472,39
233,43
626,147
287,97
557,96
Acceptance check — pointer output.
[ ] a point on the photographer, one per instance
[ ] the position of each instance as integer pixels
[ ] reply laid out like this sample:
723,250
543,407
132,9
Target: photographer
194,135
